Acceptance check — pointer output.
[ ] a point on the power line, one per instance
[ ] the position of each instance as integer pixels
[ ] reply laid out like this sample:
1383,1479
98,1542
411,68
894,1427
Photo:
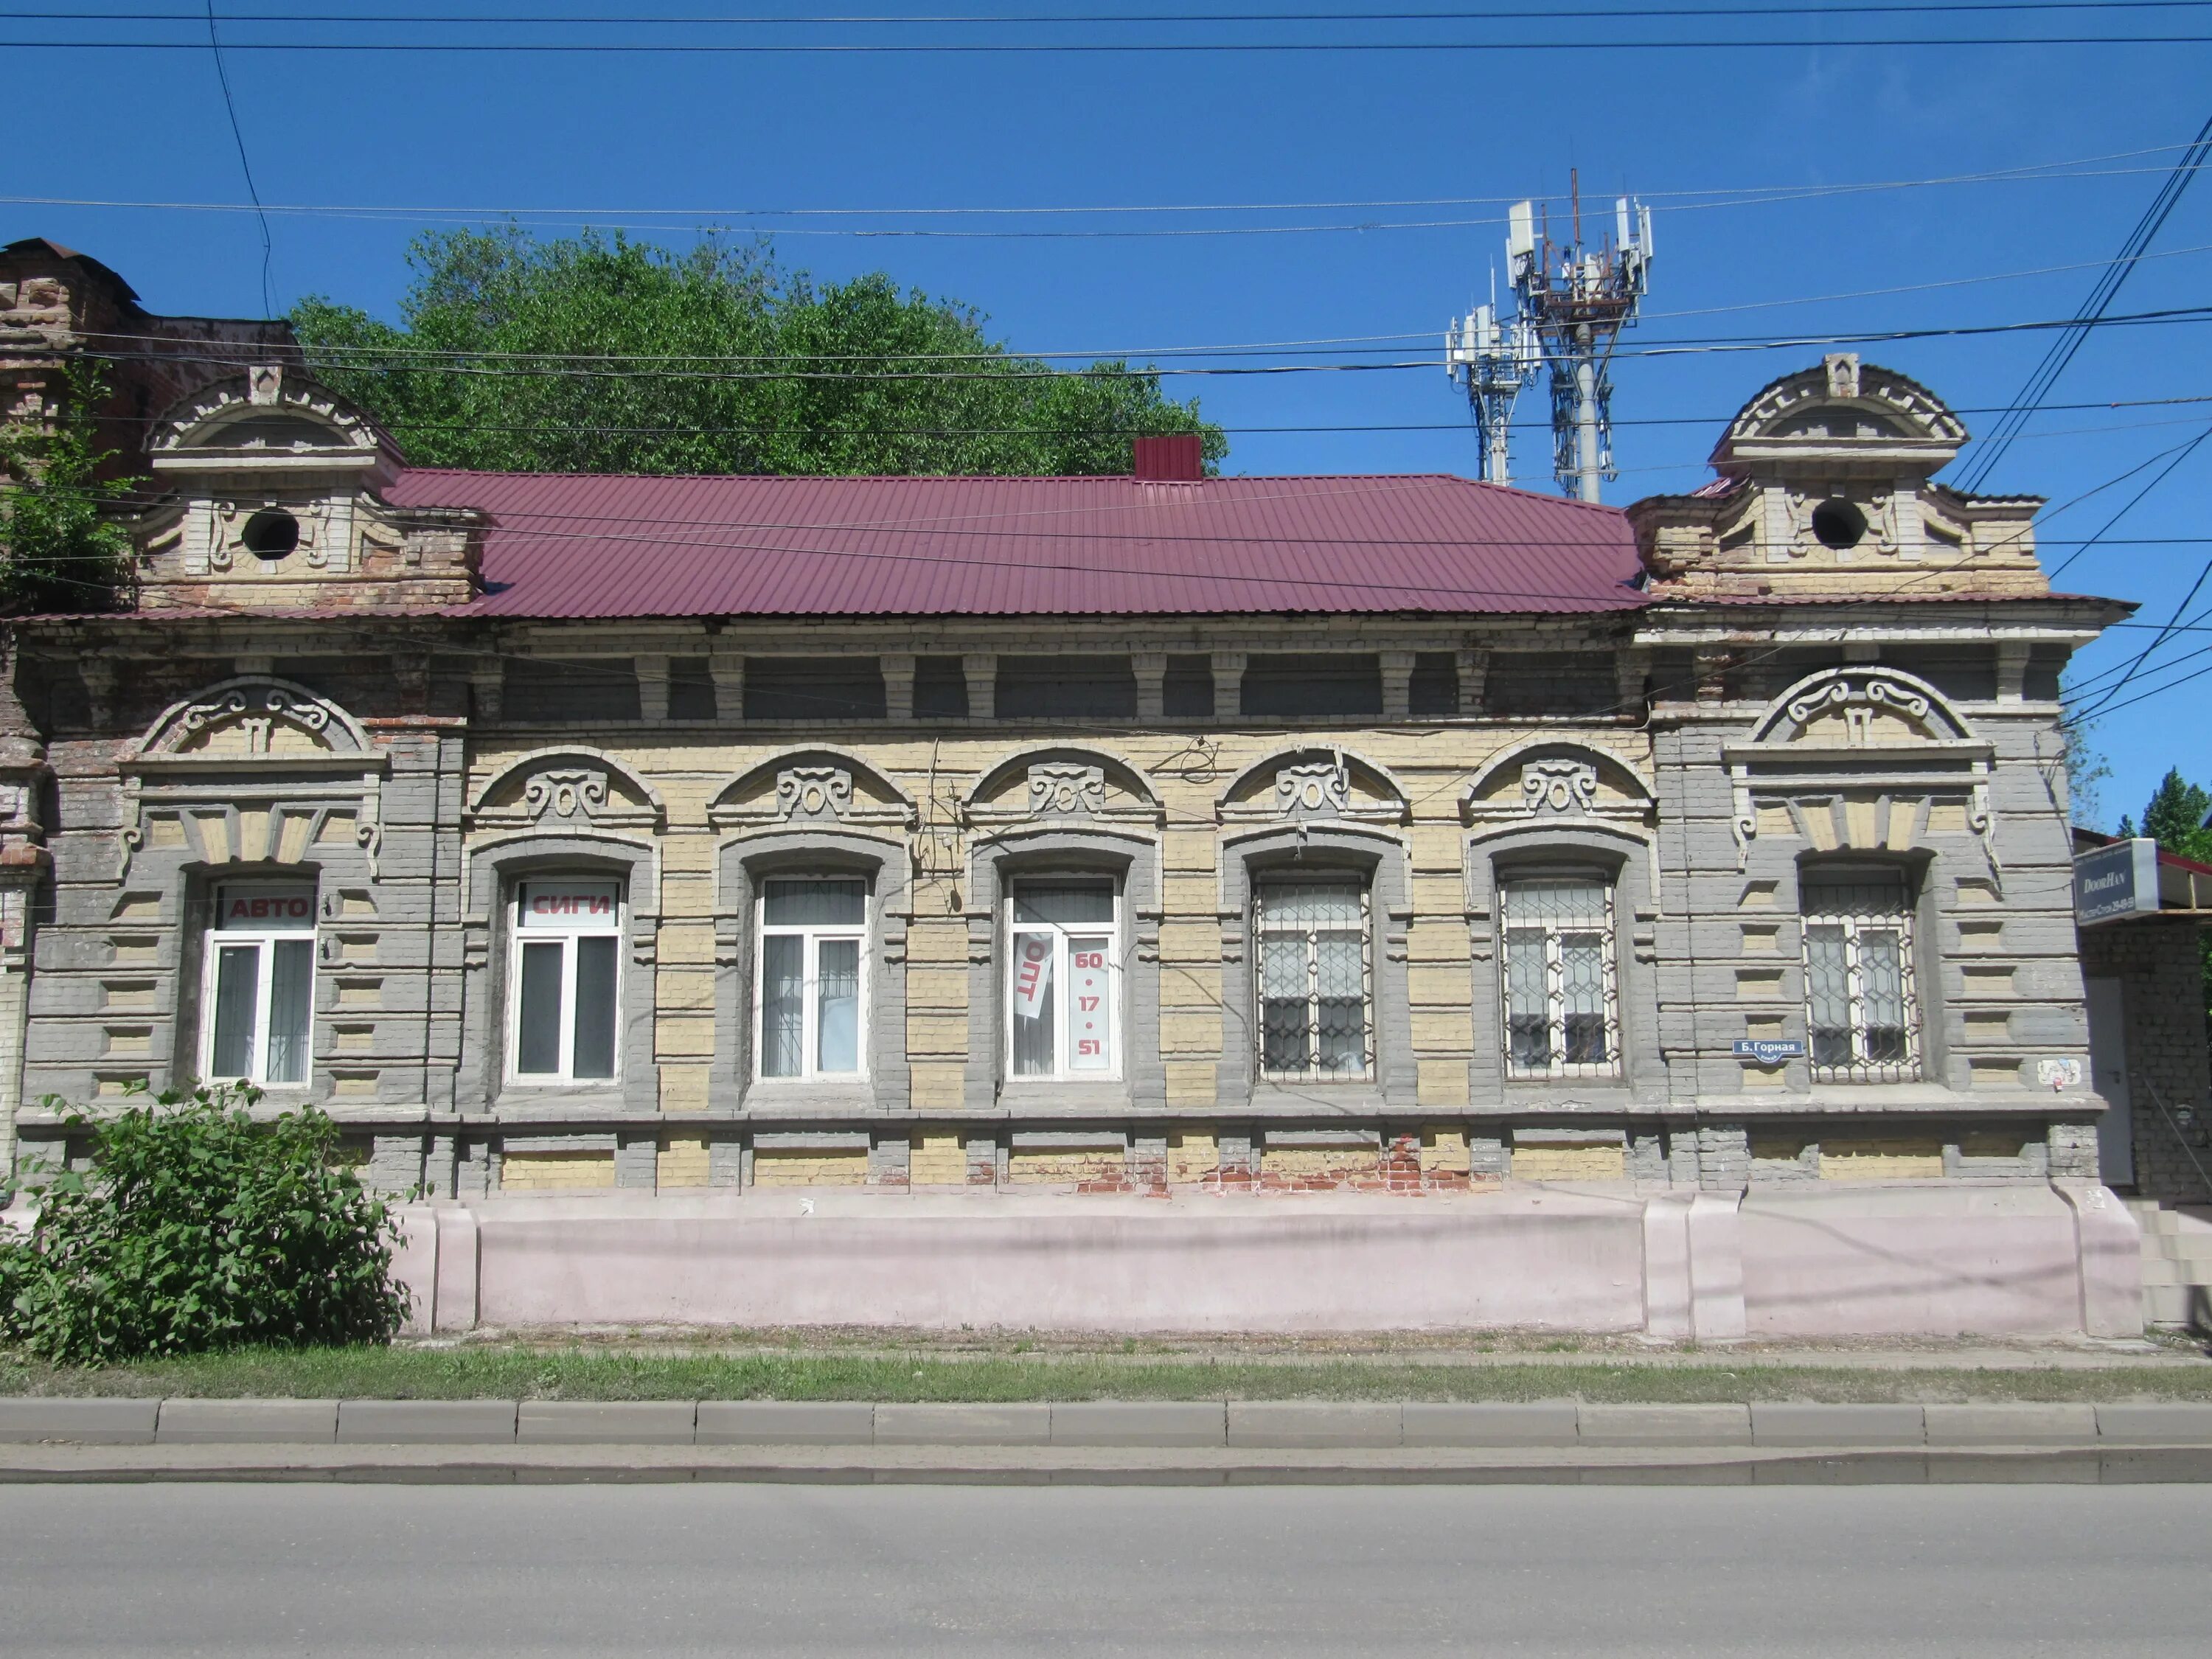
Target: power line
230,108
1718,345
1687,200
1114,48
1061,19
2100,298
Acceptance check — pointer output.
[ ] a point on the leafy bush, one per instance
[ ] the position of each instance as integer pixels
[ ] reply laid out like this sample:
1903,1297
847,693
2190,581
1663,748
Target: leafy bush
198,1228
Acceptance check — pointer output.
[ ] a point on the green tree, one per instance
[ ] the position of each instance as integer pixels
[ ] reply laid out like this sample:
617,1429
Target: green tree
59,549
197,1227
597,354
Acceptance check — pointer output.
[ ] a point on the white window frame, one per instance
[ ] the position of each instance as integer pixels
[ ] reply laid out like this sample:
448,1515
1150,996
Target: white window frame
1266,940
263,941
566,937
813,935
1554,930
1862,1067
1062,980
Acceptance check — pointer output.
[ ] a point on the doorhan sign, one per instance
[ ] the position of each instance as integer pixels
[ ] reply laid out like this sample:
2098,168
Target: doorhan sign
1769,1051
2115,881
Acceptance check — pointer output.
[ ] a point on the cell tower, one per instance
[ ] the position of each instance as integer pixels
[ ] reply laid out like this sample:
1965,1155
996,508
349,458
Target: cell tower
1576,298
1571,302
1493,361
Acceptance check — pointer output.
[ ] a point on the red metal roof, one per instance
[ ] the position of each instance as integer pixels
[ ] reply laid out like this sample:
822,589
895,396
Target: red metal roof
597,546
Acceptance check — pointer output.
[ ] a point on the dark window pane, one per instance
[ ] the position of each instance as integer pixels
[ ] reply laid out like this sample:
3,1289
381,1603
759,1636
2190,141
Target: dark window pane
595,1006
941,688
1066,904
237,990
291,983
538,1016
1291,685
815,903
1066,687
813,688
1187,692
1535,682
1435,687
783,1005
690,689
547,689
837,1019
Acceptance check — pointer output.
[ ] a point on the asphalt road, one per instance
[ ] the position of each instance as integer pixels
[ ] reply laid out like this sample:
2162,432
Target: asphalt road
392,1571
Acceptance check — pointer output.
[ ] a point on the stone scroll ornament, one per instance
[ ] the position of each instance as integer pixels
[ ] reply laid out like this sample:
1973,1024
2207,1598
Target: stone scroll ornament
1562,786
1314,787
1869,694
814,791
567,794
256,713
1059,788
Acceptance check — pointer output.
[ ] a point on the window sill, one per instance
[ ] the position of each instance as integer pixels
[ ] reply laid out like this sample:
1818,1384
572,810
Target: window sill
1359,1095
789,1094
1048,1095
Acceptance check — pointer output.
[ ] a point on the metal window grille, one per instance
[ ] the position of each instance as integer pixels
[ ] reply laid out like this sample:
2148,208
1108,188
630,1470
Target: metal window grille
1860,1009
1562,999
1317,982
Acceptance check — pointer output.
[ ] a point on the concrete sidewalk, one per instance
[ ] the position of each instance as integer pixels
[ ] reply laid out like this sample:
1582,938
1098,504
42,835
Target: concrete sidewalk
1199,1441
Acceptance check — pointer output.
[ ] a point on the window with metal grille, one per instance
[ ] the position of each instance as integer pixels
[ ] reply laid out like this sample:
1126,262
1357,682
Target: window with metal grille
1562,1004
1317,982
1859,1006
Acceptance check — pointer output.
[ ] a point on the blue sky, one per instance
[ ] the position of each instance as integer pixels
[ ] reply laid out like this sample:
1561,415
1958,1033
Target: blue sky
681,141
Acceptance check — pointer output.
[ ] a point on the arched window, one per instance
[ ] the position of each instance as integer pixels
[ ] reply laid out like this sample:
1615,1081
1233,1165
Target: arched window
565,980
1860,1010
1562,998
260,984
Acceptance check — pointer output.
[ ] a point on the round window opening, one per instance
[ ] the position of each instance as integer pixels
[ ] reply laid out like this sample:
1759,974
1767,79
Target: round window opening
1839,524
271,533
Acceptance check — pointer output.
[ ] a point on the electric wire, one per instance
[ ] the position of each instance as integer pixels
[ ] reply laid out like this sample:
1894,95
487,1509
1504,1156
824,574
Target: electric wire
2101,295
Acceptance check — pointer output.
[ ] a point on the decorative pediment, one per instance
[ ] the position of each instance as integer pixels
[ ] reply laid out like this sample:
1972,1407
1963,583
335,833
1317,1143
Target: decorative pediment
1548,779
814,786
254,717
1861,708
1860,759
1063,783
1332,784
1060,788
266,418
253,770
573,789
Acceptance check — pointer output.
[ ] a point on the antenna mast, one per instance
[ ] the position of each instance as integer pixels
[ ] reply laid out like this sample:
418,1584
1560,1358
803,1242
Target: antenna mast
1573,301
1493,361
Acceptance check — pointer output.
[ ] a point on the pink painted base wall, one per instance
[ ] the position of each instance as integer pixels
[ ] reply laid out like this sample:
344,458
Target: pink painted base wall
2016,1261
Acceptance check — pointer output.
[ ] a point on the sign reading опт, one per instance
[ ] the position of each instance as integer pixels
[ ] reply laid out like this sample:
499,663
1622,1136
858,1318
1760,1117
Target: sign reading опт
2115,881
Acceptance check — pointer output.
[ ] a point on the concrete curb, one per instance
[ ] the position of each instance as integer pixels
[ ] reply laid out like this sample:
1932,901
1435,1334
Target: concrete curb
1158,1426
518,1465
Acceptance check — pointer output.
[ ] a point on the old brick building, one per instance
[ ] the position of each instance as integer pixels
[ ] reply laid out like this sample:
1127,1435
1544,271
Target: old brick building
1657,919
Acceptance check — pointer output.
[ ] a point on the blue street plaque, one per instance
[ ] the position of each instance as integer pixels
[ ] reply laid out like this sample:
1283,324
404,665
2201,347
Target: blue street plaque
2115,881
1769,1051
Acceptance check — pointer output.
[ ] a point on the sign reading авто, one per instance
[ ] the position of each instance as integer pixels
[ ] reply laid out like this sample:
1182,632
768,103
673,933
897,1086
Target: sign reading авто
1769,1051
2115,881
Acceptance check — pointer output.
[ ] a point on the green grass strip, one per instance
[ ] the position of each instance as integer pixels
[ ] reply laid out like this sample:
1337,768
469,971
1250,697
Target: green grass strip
507,1372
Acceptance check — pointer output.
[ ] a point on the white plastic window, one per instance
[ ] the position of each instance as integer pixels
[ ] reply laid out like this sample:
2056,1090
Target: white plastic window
1317,982
564,983
1562,1005
1064,980
1859,1005
810,1007
259,987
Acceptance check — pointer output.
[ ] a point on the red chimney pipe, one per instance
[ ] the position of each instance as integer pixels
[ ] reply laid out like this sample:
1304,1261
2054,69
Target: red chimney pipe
1178,457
